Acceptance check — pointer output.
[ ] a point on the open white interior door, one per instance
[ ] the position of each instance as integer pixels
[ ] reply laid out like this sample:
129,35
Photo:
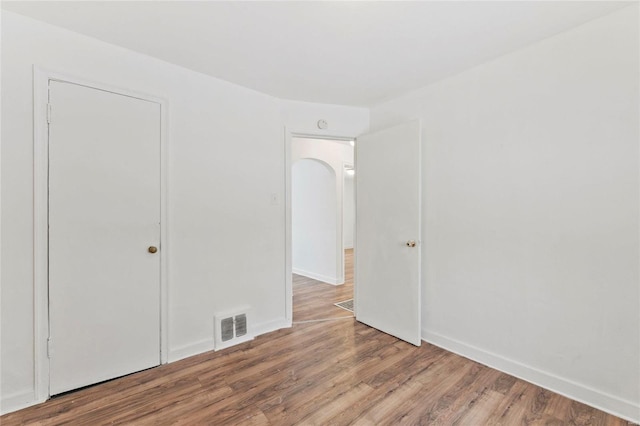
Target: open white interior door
387,249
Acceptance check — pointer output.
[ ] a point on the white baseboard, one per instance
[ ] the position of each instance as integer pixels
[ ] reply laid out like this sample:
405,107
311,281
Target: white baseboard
625,409
269,326
18,401
192,349
233,342
319,277
207,345
257,330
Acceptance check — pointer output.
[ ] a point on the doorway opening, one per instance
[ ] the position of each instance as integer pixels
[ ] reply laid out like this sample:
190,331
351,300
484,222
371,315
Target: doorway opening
322,228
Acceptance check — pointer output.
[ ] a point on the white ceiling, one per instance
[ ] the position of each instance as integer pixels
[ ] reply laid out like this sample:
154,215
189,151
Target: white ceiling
350,53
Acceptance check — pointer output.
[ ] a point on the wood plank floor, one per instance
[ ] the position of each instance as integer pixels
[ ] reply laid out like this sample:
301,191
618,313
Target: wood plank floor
336,372
314,300
321,373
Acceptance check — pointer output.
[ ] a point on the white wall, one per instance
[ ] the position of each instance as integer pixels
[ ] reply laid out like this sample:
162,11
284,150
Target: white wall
209,270
214,203
531,198
349,211
314,221
530,183
335,154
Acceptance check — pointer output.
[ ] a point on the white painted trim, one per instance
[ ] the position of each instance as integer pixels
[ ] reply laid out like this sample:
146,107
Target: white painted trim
288,263
269,326
165,246
420,228
323,137
625,409
355,229
232,342
19,401
192,349
289,134
324,278
41,78
353,240
207,345
40,233
0,227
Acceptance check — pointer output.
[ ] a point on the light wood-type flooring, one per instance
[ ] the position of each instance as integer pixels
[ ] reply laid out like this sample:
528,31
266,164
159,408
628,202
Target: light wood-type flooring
335,372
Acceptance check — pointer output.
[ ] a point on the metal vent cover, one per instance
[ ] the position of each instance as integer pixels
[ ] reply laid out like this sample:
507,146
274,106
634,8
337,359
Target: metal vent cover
226,329
241,325
232,327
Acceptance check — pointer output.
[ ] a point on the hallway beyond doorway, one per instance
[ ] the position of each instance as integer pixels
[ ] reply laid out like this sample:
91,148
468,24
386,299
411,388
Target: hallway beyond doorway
314,300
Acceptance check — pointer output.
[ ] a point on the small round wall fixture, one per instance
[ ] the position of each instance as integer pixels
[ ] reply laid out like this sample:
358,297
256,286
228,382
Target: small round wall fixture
322,124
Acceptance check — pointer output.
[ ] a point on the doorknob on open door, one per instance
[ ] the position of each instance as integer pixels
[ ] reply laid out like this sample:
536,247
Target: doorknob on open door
411,243
153,249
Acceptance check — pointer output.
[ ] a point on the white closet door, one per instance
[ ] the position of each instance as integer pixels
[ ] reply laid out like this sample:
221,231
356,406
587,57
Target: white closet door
104,215
387,250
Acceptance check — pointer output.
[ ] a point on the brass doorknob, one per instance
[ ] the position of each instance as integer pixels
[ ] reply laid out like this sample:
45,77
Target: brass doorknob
411,243
153,249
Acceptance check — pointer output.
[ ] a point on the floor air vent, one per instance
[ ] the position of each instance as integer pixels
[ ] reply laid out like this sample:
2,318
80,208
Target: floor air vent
347,305
226,325
241,325
232,328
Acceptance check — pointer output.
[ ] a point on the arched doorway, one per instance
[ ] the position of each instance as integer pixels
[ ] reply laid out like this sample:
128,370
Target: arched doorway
314,203
322,202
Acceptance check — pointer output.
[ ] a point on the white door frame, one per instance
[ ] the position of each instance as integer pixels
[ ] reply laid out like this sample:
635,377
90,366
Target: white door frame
288,265
346,164
41,78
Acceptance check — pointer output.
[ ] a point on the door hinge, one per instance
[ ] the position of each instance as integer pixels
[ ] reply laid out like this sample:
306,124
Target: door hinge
49,347
48,113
